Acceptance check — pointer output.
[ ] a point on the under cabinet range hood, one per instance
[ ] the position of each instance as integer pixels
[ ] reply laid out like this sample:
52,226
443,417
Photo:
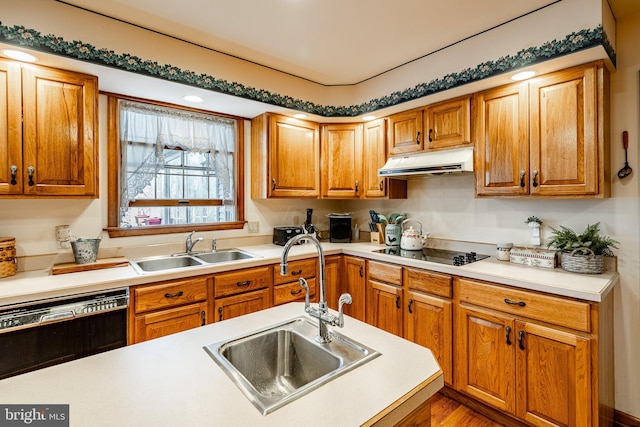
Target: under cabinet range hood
458,160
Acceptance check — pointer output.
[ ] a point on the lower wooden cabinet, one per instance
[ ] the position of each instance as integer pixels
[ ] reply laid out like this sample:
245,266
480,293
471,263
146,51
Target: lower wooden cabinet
385,302
164,308
287,288
354,283
238,305
538,371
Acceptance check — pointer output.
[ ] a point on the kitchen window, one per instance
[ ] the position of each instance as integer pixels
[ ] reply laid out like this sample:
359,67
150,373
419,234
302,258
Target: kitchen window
172,169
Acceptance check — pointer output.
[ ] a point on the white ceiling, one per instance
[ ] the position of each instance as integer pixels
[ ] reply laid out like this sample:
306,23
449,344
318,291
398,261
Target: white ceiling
331,42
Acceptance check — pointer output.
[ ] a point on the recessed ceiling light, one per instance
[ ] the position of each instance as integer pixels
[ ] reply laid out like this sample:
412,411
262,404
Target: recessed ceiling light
523,75
368,118
300,116
18,55
192,98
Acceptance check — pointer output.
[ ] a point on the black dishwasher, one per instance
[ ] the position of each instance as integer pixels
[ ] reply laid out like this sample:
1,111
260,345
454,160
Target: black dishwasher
47,332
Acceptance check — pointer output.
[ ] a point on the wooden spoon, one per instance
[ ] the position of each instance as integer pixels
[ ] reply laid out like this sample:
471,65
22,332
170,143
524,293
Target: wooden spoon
626,170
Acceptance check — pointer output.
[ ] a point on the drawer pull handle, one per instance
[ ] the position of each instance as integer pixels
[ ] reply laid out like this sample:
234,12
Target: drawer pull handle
508,335
296,292
521,340
31,170
520,303
14,172
176,295
203,315
219,314
296,273
243,284
418,138
430,133
409,306
397,301
535,178
522,179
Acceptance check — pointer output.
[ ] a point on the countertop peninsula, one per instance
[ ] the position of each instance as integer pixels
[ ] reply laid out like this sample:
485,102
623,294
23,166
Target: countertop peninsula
172,381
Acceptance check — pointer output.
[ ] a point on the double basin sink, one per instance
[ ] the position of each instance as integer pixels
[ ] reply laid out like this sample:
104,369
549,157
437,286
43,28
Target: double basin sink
171,262
278,364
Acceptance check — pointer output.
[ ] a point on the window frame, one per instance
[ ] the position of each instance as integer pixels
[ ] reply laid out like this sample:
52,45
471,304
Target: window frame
113,167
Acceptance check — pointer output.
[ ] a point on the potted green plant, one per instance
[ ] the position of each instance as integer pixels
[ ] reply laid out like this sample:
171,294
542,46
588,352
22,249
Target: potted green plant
582,253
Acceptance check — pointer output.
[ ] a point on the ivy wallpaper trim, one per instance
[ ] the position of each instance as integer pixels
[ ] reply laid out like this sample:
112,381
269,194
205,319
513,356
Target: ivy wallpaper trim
574,42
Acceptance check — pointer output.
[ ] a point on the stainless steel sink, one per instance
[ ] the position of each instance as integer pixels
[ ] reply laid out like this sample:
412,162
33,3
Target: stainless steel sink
160,263
277,365
170,262
223,256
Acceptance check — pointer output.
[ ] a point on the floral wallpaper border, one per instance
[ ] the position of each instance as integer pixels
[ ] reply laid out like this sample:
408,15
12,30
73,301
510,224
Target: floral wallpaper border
574,42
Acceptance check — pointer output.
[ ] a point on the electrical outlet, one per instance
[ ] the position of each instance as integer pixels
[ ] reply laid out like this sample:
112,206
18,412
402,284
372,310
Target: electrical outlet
253,226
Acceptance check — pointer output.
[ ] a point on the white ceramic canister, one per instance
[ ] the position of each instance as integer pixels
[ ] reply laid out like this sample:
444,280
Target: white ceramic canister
504,250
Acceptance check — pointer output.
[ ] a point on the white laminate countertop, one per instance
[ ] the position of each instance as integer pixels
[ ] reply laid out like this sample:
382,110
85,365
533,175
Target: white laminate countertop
34,285
172,381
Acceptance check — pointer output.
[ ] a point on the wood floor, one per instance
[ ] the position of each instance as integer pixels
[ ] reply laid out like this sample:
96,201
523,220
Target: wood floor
447,412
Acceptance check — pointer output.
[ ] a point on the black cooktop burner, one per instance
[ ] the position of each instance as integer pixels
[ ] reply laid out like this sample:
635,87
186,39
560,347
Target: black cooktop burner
440,256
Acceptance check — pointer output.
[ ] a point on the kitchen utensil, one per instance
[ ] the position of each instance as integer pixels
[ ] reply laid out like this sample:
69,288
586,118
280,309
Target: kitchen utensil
626,169
412,239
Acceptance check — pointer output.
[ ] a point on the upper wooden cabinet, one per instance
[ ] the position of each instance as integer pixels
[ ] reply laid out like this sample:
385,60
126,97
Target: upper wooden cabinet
375,156
48,144
447,124
341,161
285,157
405,132
545,138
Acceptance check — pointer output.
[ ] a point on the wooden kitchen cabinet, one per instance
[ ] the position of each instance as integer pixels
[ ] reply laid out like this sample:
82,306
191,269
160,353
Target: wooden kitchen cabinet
168,307
545,138
49,145
535,356
385,302
242,291
287,288
333,279
405,132
285,157
355,284
447,124
241,304
374,157
428,315
341,161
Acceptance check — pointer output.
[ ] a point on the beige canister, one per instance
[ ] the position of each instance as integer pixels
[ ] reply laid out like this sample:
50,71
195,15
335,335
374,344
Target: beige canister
8,260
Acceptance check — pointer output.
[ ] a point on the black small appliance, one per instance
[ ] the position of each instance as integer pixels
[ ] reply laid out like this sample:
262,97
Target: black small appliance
281,235
340,227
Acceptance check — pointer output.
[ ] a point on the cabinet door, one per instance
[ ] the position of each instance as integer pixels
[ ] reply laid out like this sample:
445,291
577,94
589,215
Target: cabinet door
564,133
428,322
333,280
294,158
448,124
238,305
10,129
384,310
501,123
165,322
354,283
485,359
341,148
553,370
405,132
375,156
60,122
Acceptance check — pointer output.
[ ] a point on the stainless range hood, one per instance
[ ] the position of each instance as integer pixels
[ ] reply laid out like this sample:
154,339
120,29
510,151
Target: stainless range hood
458,160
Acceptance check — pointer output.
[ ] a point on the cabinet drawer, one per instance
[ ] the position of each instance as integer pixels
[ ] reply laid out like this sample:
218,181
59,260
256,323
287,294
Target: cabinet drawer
239,281
428,281
165,322
302,268
170,294
289,292
390,273
546,308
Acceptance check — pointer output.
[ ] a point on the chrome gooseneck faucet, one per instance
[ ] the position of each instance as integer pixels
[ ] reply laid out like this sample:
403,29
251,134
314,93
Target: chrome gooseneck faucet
322,312
189,243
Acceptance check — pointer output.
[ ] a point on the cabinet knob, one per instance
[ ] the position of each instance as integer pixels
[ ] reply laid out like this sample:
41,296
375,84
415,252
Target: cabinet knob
430,133
273,184
219,314
535,178
356,186
14,172
418,138
522,179
409,305
203,316
397,301
508,335
521,340
381,185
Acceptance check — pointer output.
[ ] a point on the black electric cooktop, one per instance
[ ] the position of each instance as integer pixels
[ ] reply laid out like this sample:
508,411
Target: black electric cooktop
440,256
